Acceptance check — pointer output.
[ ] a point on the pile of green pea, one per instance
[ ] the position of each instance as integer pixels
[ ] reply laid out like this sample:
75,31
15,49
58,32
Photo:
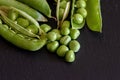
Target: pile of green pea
63,41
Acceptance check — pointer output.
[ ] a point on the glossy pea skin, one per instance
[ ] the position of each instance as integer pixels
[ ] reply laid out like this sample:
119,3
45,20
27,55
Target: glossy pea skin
21,42
52,36
65,40
74,45
74,33
52,46
12,15
77,18
65,24
63,4
65,31
61,13
70,56
32,28
61,51
94,17
22,22
80,4
57,33
45,27
82,11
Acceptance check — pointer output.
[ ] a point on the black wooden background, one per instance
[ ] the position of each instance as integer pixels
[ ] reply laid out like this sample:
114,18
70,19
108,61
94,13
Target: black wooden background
98,58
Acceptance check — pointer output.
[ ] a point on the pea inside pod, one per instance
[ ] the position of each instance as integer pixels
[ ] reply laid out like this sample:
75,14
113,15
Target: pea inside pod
62,11
78,15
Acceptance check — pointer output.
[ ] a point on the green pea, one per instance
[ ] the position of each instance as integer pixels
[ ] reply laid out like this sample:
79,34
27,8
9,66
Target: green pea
63,4
80,4
77,18
52,36
65,31
52,46
65,24
65,40
70,56
74,33
61,13
22,22
82,11
6,26
32,28
61,51
58,33
74,45
12,15
45,27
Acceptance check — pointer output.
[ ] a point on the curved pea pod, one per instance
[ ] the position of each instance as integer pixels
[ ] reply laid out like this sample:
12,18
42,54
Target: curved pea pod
40,5
30,44
59,12
94,18
32,12
16,26
80,21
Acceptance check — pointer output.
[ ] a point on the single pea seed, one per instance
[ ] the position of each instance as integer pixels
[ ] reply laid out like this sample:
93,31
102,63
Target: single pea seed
77,18
80,4
65,24
23,22
74,33
82,11
65,31
12,15
70,56
52,46
61,13
65,40
6,26
58,33
74,45
52,36
63,4
32,28
45,27
61,51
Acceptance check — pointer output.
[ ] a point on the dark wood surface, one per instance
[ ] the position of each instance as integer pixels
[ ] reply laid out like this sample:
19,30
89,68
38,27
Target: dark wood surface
98,58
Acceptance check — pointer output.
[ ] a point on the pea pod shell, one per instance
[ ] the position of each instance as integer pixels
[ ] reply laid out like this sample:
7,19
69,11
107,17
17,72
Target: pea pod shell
21,42
40,5
16,26
74,25
35,14
94,18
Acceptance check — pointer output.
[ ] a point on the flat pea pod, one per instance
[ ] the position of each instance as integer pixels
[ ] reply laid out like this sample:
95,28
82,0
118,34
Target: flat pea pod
77,20
40,5
94,18
21,42
62,16
35,14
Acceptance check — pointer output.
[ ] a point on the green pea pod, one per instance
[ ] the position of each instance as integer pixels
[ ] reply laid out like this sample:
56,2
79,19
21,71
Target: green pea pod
73,12
31,44
40,5
35,14
65,14
94,18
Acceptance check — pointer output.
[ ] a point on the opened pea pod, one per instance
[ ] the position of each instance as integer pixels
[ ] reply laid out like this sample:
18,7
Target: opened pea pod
78,14
22,29
62,10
